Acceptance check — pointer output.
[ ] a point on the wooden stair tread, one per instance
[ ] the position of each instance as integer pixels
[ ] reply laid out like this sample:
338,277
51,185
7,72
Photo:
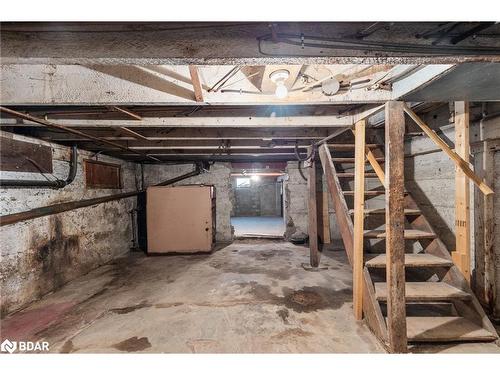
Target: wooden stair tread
425,291
445,328
411,260
350,174
379,211
410,234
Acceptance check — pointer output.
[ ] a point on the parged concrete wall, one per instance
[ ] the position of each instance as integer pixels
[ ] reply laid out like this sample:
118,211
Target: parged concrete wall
430,177
219,176
296,211
40,255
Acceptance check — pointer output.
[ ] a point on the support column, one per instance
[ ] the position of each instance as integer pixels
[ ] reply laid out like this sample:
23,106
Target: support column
395,220
313,215
359,208
461,256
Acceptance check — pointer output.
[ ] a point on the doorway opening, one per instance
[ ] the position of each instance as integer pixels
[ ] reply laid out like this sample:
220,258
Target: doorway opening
258,210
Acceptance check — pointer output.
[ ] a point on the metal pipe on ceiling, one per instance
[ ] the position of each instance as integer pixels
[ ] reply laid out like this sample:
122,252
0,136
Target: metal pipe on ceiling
52,125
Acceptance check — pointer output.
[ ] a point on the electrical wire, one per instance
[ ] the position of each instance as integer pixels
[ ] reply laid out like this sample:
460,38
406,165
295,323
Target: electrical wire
336,43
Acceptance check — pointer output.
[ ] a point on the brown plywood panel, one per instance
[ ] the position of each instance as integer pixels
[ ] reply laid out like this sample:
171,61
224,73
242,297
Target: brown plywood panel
101,175
19,156
179,219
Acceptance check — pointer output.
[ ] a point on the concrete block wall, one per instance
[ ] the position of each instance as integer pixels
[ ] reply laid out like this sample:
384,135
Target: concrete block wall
262,198
40,255
219,176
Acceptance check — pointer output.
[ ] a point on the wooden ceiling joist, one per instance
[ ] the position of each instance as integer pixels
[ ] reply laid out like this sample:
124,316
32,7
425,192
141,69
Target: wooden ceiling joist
214,122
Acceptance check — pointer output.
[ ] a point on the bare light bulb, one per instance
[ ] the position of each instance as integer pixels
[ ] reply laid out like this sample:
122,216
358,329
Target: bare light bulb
279,77
281,90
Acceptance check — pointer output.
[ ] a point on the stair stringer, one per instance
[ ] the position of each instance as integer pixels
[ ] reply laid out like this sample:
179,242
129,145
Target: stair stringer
372,311
371,308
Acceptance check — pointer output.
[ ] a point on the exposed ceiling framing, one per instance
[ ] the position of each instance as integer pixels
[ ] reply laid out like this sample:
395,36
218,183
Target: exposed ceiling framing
207,93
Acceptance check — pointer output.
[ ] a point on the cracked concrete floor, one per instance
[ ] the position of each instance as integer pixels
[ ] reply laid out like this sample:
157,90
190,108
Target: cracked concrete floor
249,297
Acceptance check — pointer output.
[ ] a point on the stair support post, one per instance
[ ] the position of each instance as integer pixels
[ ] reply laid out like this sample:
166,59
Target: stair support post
461,256
395,221
359,206
313,214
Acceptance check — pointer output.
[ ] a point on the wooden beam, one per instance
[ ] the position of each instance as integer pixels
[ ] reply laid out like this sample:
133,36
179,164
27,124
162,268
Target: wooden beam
341,210
182,134
359,207
203,122
51,125
461,256
313,215
395,221
195,79
460,163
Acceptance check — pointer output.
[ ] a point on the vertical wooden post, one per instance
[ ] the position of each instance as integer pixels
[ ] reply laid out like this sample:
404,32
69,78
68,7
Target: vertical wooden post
359,208
461,256
395,220
313,215
323,214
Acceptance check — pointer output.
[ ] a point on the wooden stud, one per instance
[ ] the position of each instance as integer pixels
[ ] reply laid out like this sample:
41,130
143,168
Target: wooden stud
195,79
462,164
313,215
461,256
359,207
395,220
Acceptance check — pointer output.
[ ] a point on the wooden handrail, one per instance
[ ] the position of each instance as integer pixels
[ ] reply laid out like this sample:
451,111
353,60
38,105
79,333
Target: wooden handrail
377,168
460,163
341,210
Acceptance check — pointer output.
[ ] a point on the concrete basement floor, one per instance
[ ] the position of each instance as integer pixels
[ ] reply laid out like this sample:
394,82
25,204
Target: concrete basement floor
252,296
268,226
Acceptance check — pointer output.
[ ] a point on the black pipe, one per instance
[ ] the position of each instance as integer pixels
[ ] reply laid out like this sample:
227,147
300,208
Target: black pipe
196,172
55,184
62,207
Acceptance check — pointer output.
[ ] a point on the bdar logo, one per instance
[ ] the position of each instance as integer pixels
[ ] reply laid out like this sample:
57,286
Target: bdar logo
8,346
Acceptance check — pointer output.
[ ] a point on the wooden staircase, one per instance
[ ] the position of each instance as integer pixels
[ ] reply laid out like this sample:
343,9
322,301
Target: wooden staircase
440,306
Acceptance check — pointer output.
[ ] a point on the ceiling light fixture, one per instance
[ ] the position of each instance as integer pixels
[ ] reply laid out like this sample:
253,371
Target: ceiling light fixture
279,77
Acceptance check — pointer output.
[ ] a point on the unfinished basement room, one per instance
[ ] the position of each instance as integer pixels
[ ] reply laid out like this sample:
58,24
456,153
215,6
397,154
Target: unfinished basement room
250,187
